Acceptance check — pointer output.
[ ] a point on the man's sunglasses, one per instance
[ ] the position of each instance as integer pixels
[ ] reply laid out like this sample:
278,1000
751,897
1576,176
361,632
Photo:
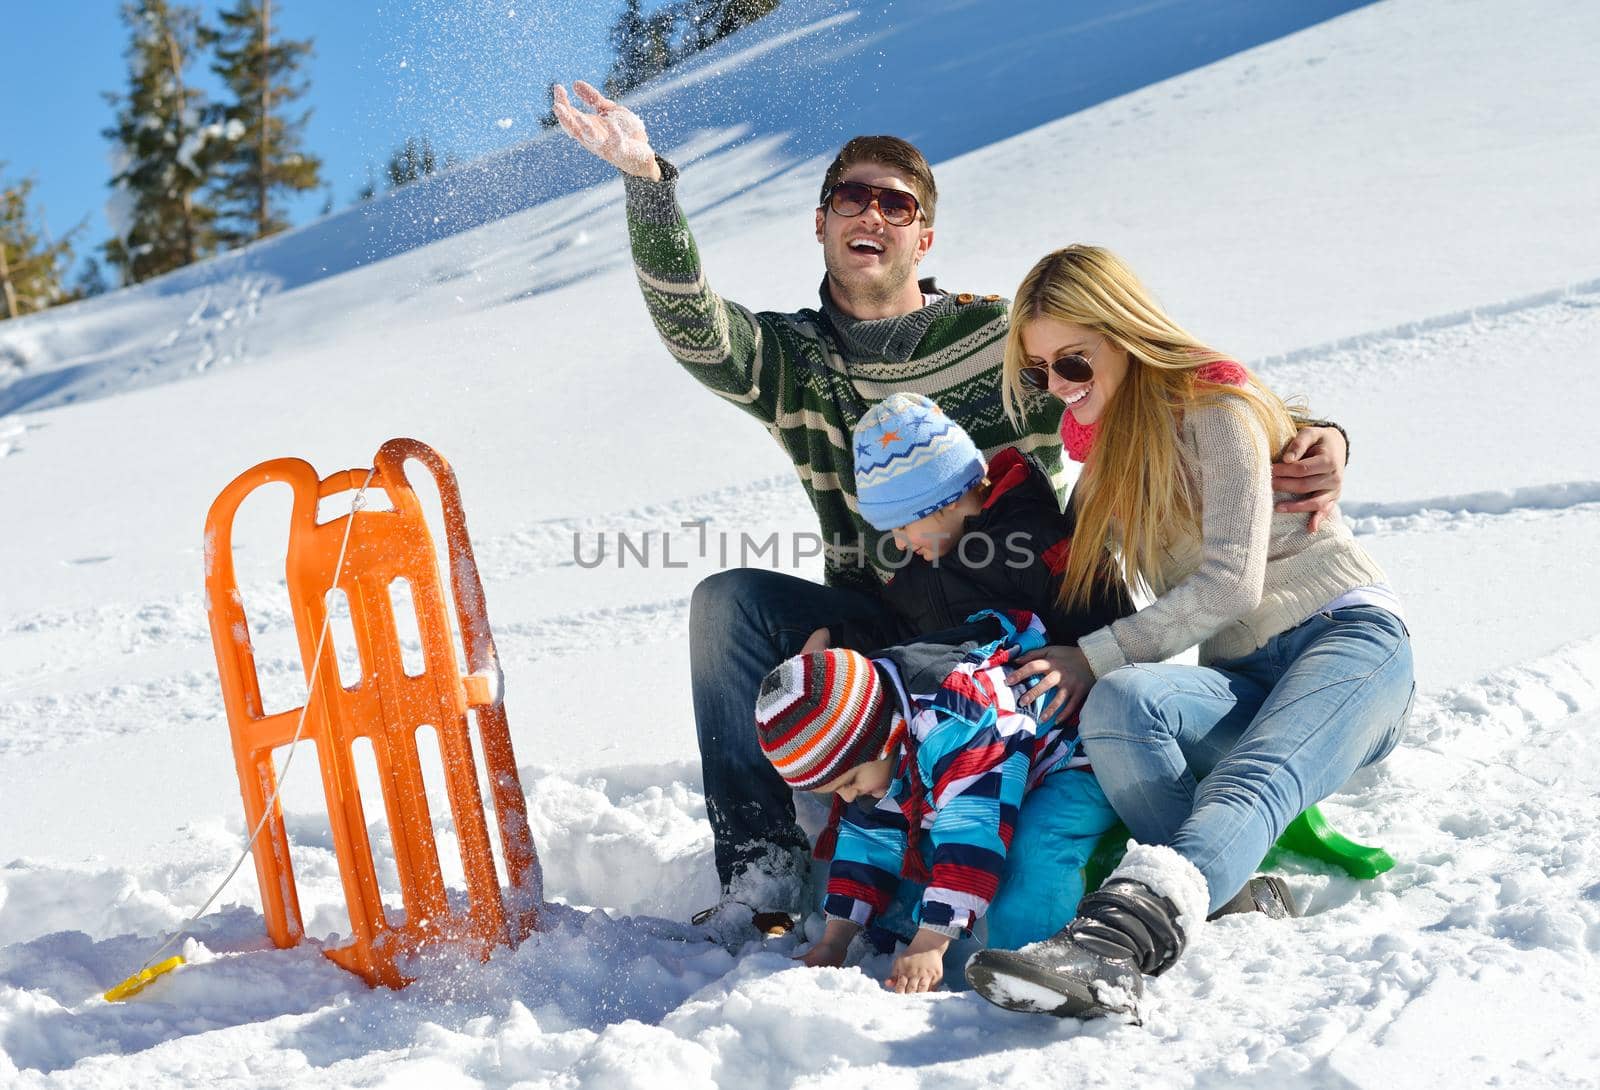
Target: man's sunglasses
1073,368
897,207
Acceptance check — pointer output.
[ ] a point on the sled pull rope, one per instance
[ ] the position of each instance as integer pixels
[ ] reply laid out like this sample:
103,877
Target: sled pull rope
150,970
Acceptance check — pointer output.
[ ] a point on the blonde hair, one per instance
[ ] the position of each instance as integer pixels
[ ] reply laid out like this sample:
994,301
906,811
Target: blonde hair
1136,488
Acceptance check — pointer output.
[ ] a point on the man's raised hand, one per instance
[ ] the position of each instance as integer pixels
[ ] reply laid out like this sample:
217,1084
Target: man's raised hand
612,132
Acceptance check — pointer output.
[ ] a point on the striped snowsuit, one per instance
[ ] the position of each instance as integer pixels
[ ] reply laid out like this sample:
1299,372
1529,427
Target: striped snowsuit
1008,813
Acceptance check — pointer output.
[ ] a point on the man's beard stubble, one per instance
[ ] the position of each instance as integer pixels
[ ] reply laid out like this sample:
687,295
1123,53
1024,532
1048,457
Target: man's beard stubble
870,290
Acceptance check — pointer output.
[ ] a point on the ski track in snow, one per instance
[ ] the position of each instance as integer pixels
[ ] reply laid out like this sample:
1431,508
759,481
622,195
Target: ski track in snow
161,665
1504,890
1470,512
1445,328
161,657
211,333
162,702
12,431
1544,497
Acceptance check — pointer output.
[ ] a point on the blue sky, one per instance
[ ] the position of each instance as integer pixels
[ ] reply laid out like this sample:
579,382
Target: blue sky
453,69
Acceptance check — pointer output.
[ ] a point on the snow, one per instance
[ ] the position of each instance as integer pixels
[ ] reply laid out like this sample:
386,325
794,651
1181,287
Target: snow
1392,212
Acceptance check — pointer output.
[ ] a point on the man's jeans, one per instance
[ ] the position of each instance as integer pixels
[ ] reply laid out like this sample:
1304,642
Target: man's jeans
742,623
1216,761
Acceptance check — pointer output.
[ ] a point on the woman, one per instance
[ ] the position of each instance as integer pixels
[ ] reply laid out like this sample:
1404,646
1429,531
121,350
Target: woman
1305,671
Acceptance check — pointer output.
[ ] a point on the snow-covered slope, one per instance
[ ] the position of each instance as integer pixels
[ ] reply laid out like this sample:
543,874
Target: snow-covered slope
1392,212
784,93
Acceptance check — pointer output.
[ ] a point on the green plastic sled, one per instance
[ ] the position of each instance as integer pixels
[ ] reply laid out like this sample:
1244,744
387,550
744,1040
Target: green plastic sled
1309,835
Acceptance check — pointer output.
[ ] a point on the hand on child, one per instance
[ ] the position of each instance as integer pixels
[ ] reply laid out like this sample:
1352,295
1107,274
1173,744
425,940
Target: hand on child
1065,669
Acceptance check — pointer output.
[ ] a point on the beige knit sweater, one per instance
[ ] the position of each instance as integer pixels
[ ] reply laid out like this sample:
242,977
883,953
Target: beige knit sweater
1256,573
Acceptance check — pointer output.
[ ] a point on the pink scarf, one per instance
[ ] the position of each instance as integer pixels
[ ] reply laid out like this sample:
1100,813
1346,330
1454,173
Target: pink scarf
1078,439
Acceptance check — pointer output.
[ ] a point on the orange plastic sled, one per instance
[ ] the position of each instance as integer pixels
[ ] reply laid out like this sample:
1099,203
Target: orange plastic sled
385,706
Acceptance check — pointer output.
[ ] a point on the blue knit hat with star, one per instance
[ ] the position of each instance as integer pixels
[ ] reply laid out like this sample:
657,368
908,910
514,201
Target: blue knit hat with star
911,460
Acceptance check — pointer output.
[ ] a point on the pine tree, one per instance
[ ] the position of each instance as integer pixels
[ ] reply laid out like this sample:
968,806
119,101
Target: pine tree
31,264
267,160
548,121
413,161
660,31
167,145
735,14
643,47
90,281
646,46
710,21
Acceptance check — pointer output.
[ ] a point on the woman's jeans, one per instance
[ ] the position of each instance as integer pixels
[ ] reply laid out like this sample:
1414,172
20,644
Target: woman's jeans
1216,761
742,623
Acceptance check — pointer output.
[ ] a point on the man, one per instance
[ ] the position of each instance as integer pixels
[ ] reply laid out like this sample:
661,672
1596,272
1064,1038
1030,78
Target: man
808,376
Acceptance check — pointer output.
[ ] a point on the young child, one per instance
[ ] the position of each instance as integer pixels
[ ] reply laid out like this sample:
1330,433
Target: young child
977,536
986,544
940,778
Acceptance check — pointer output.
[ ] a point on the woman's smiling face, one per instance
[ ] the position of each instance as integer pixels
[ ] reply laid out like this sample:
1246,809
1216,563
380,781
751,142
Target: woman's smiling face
1046,340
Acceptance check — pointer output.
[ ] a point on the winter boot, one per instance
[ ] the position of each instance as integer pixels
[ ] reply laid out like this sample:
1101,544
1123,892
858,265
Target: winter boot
732,923
762,901
1265,893
1135,924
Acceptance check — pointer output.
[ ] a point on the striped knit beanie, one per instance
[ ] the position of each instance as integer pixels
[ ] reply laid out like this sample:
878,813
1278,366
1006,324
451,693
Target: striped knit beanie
911,460
821,714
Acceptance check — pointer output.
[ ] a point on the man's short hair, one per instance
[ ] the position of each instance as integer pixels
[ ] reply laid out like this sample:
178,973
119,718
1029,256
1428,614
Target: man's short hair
891,151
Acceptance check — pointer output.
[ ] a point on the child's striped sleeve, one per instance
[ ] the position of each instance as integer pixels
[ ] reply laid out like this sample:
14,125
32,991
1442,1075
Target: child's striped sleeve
866,861
978,774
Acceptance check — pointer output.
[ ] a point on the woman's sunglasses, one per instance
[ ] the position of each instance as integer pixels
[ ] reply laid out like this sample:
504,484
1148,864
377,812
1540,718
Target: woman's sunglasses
1073,368
897,207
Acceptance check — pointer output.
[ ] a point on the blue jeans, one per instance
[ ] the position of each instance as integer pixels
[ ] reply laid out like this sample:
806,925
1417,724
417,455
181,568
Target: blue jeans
1216,761
742,623
1058,826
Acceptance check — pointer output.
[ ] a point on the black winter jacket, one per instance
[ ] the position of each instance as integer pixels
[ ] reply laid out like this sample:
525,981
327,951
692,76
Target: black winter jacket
1010,557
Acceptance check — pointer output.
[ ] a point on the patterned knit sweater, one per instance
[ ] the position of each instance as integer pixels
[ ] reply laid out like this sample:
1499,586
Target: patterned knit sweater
809,376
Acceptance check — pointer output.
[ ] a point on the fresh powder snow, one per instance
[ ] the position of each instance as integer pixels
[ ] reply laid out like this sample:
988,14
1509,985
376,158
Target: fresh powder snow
1390,209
